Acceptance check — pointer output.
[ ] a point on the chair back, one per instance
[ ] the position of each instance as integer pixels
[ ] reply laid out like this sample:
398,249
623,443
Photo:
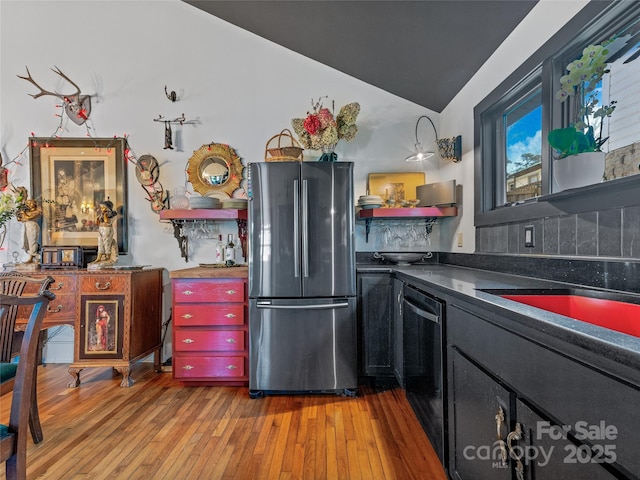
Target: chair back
13,450
17,284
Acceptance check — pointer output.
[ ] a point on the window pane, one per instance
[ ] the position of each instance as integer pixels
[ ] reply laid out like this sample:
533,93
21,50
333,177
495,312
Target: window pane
523,146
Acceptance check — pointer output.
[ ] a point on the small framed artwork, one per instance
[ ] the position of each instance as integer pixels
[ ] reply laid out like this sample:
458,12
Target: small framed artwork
70,177
395,186
102,323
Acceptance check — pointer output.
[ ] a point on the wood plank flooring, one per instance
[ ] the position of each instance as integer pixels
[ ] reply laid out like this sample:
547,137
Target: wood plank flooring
159,429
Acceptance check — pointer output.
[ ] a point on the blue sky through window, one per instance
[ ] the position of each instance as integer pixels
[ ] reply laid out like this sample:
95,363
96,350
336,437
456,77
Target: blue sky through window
524,136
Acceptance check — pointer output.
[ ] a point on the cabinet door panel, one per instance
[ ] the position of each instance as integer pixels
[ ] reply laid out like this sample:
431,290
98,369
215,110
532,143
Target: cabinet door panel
209,367
201,314
208,290
546,455
375,314
479,410
209,340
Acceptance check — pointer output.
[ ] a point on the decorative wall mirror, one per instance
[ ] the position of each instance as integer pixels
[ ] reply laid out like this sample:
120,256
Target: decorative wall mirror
215,167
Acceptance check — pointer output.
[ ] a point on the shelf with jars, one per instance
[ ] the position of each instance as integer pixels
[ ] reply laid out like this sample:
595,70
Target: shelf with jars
180,217
429,214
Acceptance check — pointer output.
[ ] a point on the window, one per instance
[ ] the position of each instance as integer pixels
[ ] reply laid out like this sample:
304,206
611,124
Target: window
515,163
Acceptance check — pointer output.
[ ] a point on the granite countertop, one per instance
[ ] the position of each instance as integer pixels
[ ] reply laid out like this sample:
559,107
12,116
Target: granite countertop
564,333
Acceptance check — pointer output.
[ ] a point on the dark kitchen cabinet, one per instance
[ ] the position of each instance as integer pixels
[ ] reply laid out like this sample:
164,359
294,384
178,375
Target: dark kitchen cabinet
375,313
520,410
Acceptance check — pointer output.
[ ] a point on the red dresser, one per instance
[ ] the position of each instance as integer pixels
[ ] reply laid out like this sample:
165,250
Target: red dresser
210,333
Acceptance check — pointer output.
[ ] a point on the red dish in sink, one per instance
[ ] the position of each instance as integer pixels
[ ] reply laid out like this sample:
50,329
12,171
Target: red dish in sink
619,316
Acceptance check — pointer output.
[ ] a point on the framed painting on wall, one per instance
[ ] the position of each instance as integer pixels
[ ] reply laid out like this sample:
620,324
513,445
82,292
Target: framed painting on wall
101,326
70,177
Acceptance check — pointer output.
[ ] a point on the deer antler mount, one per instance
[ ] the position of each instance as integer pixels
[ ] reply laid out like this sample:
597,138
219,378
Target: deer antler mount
76,106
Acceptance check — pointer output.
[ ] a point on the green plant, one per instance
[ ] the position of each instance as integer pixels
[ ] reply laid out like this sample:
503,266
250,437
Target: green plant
9,206
587,115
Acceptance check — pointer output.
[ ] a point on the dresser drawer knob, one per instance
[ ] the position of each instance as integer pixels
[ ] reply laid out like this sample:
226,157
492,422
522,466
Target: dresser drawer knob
57,287
187,315
100,287
230,292
187,340
230,315
187,367
231,340
187,292
54,310
231,367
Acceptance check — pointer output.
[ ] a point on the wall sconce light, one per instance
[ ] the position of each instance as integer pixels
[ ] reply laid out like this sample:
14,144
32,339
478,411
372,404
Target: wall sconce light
449,149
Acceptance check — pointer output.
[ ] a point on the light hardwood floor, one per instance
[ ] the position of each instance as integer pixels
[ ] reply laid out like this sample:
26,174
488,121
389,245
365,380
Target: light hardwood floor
159,429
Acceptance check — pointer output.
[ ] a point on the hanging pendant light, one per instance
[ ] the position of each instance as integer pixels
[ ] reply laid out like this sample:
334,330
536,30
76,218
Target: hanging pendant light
450,149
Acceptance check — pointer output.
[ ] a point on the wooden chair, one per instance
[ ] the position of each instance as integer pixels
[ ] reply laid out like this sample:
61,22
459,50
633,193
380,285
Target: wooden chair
18,284
13,437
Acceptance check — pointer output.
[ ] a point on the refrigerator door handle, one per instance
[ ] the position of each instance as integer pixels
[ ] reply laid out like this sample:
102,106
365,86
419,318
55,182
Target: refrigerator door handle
305,228
296,228
297,307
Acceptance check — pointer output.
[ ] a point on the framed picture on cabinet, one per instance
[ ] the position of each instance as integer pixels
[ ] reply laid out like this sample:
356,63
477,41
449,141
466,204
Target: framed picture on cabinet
101,327
70,177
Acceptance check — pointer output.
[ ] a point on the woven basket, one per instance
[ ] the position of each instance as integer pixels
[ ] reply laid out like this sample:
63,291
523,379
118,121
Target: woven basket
283,153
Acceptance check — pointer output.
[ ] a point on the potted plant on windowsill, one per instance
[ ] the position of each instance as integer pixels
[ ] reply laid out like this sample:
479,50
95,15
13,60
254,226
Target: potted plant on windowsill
582,140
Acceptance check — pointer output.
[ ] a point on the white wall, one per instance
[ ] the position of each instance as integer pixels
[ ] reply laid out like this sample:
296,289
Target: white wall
544,20
239,88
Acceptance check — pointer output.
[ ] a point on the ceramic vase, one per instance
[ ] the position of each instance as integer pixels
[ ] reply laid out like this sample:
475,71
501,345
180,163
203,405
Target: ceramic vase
579,170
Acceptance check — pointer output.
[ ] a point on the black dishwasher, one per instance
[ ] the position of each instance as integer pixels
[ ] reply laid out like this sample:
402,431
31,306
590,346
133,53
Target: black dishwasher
423,359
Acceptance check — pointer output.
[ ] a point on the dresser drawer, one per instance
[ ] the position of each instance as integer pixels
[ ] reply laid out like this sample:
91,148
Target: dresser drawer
209,340
209,314
208,290
62,307
103,284
62,285
208,367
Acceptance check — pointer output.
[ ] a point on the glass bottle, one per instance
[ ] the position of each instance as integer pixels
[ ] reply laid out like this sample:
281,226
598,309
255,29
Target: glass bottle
239,253
229,251
219,250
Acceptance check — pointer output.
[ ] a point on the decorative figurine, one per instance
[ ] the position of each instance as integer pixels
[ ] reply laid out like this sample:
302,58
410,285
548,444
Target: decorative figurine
29,212
107,245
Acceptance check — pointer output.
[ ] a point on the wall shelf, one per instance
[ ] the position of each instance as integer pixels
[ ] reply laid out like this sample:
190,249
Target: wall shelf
178,217
430,214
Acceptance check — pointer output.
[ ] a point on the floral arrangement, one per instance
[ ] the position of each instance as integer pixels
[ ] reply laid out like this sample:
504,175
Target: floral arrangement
581,81
320,130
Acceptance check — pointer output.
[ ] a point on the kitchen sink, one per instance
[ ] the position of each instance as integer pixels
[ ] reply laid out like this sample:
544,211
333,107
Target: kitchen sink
614,311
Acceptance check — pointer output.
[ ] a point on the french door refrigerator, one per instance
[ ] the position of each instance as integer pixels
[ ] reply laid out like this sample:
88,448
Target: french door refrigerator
302,286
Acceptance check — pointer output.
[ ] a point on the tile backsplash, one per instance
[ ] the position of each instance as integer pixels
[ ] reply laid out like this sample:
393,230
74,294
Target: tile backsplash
612,233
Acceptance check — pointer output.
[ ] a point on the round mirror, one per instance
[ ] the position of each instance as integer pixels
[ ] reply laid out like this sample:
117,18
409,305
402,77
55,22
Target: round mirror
215,167
214,171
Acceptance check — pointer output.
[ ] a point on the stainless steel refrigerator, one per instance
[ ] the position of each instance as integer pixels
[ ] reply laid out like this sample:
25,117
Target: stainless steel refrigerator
302,286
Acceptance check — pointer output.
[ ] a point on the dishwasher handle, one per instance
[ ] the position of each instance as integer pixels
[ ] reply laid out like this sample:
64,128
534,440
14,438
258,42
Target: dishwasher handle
431,316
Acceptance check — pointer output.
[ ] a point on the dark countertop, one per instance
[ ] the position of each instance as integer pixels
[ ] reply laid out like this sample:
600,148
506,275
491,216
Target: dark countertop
615,352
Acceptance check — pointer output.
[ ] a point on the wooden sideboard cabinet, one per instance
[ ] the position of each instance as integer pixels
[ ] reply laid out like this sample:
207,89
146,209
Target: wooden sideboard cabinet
210,334
116,316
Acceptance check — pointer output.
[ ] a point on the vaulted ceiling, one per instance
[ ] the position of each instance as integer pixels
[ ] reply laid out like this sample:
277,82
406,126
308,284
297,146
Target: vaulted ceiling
424,51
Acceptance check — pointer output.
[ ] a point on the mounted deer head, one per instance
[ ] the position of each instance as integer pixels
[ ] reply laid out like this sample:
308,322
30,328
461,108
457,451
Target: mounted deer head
76,106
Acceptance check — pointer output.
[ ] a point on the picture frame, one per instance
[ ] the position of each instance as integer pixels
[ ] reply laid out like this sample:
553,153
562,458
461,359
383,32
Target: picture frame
395,185
101,326
69,178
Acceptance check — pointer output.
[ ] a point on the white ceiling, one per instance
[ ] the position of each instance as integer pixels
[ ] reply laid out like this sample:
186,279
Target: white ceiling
424,51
